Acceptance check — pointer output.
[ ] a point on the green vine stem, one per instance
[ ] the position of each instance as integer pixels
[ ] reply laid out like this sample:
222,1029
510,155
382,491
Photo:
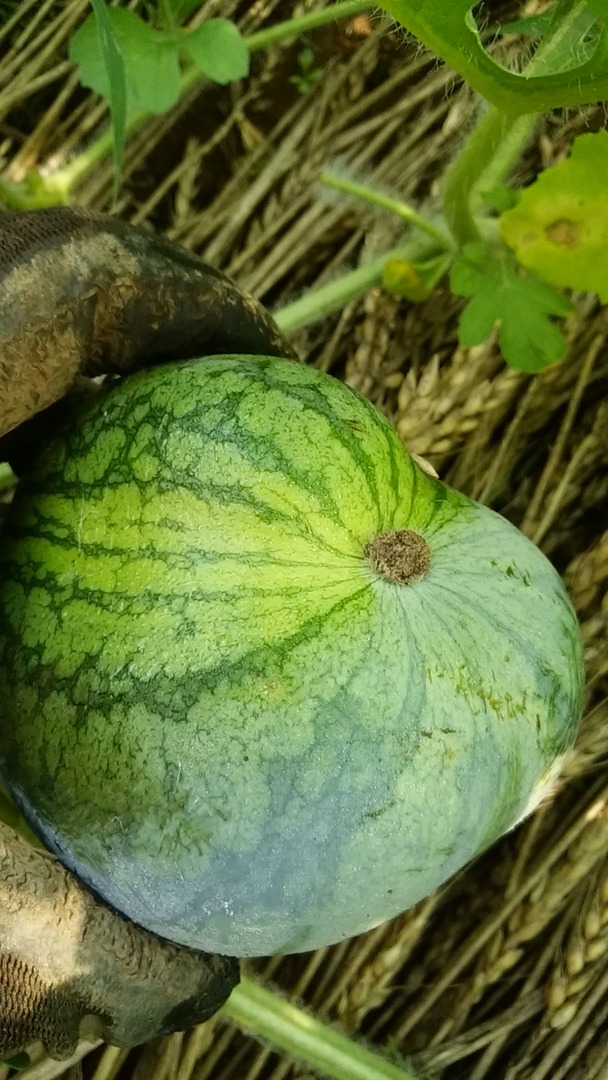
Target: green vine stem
497,141
387,202
301,1036
449,31
301,24
331,297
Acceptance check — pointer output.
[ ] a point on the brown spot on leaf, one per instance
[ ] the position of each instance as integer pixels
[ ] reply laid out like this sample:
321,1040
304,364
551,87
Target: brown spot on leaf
563,232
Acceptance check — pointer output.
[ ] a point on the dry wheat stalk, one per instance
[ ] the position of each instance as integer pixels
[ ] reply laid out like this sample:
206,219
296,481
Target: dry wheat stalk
456,406
482,1037
586,945
503,940
586,577
530,995
373,336
574,1043
206,223
236,195
530,523
531,918
588,459
34,53
594,632
536,404
591,749
373,984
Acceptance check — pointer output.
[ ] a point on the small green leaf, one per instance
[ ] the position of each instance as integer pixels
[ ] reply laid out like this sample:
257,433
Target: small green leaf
183,8
600,8
7,476
151,61
559,228
306,59
218,50
535,25
19,1062
521,305
414,281
501,197
111,54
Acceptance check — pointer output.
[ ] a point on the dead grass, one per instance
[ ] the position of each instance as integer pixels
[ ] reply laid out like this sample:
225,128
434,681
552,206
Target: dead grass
504,972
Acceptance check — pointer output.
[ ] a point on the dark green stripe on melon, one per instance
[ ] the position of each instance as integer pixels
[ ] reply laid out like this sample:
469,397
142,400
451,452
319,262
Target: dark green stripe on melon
217,711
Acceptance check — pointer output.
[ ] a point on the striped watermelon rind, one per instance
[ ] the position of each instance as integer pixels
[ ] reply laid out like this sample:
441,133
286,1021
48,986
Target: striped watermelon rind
216,713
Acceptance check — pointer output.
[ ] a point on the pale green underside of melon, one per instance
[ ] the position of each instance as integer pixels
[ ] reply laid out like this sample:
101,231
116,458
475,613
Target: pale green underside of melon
245,740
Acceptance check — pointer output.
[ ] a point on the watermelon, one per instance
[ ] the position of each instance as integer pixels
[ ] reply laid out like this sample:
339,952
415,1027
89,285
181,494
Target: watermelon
264,681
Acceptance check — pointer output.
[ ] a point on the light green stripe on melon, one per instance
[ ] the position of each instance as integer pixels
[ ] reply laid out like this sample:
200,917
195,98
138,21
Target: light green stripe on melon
224,450
247,739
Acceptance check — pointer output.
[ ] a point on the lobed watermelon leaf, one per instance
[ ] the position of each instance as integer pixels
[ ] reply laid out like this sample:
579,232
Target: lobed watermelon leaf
521,305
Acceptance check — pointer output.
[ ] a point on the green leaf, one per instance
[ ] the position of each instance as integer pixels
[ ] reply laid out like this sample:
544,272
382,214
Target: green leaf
183,8
306,59
218,50
500,197
151,61
7,477
113,60
19,1062
536,25
559,228
521,305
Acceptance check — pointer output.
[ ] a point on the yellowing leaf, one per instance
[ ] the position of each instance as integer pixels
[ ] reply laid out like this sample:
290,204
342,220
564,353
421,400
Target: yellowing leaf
559,228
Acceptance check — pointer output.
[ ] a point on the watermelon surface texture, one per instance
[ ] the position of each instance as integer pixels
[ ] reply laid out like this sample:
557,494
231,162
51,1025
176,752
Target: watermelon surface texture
225,705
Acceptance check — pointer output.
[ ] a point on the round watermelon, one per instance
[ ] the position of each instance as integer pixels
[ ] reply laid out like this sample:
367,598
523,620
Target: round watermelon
264,682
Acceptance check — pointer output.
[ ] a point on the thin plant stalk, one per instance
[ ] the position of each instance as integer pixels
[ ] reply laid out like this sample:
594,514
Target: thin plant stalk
458,44
331,297
387,202
301,1036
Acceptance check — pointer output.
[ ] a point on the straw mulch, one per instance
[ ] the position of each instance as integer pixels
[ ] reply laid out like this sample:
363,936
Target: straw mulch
502,975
